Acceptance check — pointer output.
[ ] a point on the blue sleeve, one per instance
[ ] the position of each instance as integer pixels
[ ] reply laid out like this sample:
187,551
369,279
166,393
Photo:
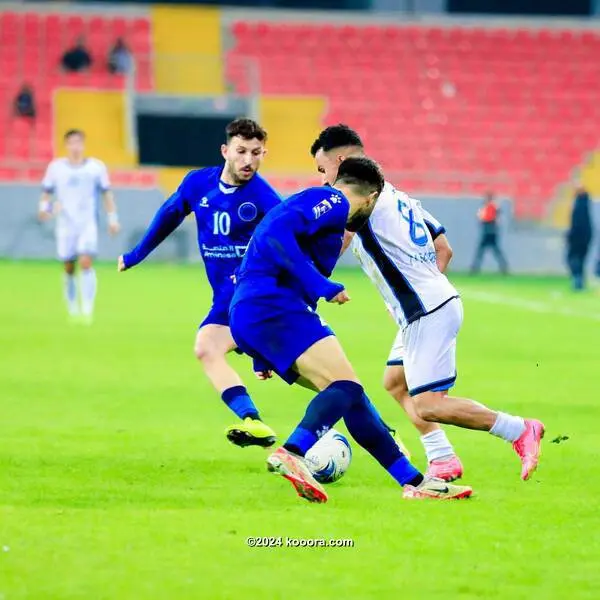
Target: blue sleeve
434,226
168,218
324,209
325,251
287,254
269,199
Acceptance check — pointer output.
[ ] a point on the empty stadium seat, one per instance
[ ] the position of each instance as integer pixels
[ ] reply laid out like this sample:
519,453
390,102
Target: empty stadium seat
31,46
445,109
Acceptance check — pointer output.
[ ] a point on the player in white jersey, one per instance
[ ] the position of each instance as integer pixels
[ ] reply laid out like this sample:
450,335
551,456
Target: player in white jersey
71,188
397,252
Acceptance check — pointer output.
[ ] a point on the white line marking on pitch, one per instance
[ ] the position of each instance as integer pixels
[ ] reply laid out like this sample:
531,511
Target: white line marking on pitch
531,305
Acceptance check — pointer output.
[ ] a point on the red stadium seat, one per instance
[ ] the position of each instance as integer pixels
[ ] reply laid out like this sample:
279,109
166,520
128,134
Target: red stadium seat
513,105
31,46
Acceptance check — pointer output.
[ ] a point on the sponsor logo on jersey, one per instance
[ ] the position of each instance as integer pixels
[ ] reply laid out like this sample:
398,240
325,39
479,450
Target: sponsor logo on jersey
428,257
247,211
320,209
223,251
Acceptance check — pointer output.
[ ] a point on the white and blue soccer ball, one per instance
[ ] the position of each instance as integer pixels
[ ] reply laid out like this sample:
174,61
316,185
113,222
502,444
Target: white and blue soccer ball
330,457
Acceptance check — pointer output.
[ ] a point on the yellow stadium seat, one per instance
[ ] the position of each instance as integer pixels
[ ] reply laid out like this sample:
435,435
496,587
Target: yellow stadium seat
187,50
293,123
102,116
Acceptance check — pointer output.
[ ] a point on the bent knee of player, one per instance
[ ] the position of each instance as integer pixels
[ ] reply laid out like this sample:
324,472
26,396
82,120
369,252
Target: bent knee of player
207,352
212,344
426,405
321,377
394,381
325,363
323,381
86,262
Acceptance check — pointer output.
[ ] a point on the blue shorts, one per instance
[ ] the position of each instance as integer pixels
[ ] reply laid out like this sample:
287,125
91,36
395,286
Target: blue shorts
217,315
274,335
219,311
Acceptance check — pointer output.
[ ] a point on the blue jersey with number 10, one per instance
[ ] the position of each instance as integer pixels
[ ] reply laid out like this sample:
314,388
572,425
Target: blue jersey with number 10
226,217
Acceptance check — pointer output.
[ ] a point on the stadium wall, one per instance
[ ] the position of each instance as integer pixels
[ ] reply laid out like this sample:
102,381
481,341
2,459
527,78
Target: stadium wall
529,250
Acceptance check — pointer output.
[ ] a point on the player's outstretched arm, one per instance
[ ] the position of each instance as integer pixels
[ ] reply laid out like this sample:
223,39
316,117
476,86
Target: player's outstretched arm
288,255
167,219
110,206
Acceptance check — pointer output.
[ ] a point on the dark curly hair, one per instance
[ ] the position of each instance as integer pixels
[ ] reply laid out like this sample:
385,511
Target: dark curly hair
363,173
246,129
336,136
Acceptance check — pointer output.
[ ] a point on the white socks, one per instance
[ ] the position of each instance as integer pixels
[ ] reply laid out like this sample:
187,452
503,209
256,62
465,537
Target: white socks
70,289
88,291
437,446
507,427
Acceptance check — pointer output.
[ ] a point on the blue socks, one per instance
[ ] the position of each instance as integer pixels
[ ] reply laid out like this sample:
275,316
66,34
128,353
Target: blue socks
368,429
300,441
238,400
347,400
323,412
404,472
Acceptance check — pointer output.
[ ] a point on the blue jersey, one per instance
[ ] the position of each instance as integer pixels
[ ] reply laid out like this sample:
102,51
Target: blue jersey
226,217
295,248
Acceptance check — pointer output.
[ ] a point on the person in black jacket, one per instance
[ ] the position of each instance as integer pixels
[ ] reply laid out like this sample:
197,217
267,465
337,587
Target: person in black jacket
488,218
24,103
579,237
77,58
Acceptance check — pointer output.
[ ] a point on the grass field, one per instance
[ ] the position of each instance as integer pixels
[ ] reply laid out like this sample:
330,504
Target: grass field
116,481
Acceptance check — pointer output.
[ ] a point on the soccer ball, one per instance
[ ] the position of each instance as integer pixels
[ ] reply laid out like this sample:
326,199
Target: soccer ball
330,457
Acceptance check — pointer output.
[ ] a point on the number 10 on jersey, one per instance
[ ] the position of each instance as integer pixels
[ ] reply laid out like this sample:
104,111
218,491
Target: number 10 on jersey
221,223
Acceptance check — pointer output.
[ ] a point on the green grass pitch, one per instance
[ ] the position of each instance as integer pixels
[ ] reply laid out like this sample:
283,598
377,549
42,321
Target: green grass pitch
116,481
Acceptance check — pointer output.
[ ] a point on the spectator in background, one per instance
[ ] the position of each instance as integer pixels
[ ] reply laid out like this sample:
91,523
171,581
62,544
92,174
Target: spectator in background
488,217
579,237
77,58
119,58
24,104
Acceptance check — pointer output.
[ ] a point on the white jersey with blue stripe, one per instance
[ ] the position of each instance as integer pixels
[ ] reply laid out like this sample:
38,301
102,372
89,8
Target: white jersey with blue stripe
396,251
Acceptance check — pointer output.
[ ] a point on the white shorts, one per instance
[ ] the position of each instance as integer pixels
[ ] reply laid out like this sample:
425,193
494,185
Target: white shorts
396,355
430,349
74,240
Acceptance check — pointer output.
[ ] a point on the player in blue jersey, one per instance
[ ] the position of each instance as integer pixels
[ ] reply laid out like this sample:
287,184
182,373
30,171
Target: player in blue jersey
335,144
283,275
228,202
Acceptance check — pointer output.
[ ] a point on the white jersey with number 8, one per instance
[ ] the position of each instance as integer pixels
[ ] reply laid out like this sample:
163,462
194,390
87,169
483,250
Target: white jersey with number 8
396,251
